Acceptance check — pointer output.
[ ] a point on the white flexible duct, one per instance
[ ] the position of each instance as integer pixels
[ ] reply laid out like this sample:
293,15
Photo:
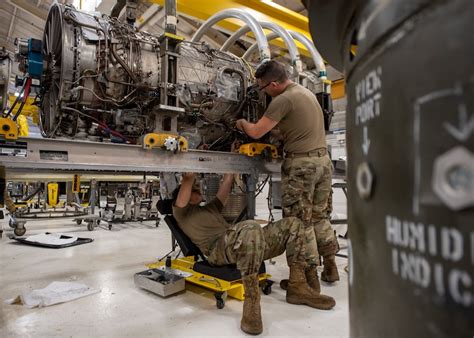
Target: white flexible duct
255,27
307,43
277,29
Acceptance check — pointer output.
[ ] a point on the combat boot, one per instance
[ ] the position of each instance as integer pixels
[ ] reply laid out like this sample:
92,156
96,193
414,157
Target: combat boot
311,278
330,273
284,284
299,292
251,322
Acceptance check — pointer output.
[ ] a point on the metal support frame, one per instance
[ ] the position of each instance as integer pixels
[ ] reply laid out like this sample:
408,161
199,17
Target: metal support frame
46,155
166,113
251,183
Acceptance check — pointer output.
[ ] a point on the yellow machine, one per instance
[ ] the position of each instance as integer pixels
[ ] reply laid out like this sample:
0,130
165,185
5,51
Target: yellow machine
234,289
76,183
252,149
169,142
53,194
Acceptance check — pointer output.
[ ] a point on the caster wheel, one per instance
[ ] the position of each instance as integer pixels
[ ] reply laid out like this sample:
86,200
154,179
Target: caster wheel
220,299
157,224
110,226
78,221
19,231
98,221
90,226
220,303
267,289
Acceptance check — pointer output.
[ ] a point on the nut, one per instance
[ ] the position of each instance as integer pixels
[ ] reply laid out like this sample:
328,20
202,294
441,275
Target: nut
453,178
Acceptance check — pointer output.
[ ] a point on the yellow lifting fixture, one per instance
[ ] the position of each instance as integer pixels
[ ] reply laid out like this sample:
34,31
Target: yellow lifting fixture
171,142
8,128
252,149
11,130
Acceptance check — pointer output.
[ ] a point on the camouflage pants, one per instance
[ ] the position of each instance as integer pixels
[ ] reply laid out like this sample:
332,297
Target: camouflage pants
306,185
247,244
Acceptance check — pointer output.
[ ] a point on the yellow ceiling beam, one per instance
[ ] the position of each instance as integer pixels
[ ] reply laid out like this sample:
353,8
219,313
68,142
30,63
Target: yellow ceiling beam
338,89
262,10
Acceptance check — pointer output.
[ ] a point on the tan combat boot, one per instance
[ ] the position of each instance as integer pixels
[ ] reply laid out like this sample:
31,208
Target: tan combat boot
311,278
299,291
330,273
251,322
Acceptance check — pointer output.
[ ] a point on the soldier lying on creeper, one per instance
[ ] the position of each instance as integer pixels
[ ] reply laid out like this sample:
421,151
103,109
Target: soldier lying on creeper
247,245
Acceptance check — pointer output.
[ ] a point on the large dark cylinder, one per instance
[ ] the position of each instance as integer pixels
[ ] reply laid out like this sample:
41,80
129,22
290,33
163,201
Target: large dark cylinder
410,146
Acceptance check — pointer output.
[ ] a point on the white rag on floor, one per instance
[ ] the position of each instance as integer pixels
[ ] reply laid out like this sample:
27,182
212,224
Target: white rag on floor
54,239
54,293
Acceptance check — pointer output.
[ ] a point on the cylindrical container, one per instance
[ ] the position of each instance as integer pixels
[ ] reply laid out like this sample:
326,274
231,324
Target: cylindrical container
410,146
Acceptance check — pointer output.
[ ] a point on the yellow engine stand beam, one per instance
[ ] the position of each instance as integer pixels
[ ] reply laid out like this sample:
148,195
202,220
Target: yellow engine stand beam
338,89
261,10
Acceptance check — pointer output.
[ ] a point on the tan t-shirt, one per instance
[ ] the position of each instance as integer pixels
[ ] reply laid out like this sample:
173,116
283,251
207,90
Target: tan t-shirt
202,224
300,118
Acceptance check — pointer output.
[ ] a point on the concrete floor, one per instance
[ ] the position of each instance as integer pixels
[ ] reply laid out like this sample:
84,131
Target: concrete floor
121,309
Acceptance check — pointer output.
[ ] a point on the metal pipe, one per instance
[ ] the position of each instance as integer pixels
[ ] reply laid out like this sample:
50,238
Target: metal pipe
255,27
307,43
243,83
277,29
171,19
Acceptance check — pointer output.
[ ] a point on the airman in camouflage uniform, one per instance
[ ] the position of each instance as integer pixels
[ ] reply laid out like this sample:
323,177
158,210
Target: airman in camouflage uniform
247,245
307,169
306,185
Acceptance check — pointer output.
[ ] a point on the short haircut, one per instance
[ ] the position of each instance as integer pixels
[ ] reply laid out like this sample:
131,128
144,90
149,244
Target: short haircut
272,71
175,193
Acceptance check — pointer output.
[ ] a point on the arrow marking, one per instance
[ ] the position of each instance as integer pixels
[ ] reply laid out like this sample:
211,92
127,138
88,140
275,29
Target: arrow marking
466,125
366,143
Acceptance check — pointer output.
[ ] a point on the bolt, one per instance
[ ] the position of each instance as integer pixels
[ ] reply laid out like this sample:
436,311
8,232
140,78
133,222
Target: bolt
459,178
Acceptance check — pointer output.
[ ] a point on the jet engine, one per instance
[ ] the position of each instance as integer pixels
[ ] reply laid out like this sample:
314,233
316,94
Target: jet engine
104,81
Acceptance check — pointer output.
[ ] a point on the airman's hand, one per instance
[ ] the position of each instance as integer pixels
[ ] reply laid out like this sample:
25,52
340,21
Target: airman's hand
239,124
188,176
